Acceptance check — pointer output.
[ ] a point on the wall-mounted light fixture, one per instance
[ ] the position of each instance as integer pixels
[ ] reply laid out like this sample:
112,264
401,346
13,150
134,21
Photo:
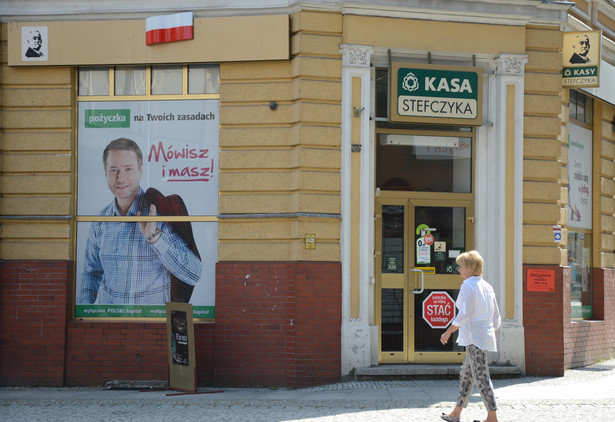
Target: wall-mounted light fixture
273,105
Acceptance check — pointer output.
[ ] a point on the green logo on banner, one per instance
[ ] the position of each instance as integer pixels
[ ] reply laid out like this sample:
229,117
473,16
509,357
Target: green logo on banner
107,118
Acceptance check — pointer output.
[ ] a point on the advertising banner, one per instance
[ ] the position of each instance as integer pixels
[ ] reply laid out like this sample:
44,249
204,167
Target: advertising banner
138,160
579,177
581,56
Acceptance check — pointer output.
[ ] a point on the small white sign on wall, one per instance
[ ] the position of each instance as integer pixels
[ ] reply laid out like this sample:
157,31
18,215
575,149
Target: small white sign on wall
34,44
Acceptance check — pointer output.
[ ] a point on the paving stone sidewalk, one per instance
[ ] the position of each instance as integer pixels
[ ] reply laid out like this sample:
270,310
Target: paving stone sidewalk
585,394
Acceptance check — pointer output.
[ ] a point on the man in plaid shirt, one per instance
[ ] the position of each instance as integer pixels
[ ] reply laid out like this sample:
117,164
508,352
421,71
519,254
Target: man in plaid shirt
132,263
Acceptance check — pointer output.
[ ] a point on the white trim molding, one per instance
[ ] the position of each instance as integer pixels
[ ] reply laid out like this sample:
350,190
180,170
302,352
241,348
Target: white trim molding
356,332
509,73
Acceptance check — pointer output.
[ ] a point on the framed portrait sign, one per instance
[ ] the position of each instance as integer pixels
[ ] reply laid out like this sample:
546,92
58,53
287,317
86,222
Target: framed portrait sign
34,43
581,59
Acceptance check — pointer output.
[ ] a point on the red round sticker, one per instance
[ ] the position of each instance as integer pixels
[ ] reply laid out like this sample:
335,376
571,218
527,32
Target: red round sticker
428,239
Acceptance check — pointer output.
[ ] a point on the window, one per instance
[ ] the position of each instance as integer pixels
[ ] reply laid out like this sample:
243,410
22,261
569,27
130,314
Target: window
203,79
130,80
581,107
382,93
446,159
157,80
166,80
94,81
580,224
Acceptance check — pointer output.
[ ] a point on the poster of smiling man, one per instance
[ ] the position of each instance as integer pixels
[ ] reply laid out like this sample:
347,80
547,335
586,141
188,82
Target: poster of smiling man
147,207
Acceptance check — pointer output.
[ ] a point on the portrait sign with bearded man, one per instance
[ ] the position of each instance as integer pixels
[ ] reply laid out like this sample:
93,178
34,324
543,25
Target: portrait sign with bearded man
34,43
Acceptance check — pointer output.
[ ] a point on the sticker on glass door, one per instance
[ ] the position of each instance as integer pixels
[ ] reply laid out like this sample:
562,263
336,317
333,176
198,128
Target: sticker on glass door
423,244
438,309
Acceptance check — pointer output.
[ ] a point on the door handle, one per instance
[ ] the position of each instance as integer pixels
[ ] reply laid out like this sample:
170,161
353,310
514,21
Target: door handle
418,292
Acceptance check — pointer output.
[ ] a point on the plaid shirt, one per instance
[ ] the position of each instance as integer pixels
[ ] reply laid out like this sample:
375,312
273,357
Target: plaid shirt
121,267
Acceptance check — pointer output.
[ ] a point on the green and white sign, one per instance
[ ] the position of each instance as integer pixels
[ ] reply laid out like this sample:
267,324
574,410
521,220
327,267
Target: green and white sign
581,54
137,311
106,118
436,94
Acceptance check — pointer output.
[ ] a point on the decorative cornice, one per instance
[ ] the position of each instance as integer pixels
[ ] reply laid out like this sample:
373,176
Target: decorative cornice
511,64
356,55
517,13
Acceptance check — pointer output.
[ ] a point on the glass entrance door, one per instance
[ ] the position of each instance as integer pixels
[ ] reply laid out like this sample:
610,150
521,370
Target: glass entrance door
417,241
424,220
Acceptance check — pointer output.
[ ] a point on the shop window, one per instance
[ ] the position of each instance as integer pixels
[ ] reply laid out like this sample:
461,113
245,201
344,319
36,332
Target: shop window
579,260
580,188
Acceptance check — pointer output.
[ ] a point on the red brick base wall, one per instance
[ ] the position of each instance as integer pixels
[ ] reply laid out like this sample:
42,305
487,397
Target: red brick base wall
589,341
97,352
543,316
34,306
40,343
553,342
278,323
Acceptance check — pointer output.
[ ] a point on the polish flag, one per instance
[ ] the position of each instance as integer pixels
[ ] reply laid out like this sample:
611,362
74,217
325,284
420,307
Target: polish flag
168,28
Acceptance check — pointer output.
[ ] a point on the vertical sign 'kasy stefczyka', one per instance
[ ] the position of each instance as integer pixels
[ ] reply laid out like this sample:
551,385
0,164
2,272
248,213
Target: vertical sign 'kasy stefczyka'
581,55
436,94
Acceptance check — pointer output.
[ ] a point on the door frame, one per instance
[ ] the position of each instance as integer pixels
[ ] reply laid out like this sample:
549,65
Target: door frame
403,281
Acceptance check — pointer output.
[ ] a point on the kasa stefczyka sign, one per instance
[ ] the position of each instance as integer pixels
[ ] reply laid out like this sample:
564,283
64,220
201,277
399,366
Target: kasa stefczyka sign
436,94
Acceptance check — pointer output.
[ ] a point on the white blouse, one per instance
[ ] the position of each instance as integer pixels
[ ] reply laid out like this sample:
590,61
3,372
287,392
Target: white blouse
479,316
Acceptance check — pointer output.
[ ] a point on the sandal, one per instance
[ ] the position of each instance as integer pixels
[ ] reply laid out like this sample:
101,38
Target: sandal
448,418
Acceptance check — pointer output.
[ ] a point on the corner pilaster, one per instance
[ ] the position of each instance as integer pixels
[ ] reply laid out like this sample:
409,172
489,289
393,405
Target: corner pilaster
357,206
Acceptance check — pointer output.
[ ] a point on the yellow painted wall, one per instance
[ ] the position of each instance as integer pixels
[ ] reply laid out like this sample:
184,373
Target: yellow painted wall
433,35
545,138
604,138
215,39
546,157
286,161
36,160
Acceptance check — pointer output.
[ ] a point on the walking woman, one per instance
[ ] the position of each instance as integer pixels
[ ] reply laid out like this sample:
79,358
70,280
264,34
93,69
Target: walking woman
477,320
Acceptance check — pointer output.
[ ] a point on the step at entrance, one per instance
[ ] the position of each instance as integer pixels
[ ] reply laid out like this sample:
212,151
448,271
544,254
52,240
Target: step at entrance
418,371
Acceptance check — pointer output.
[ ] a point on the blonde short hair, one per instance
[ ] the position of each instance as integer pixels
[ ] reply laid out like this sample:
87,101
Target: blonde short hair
472,261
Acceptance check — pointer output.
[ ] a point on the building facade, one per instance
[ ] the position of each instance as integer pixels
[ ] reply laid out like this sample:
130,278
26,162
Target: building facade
332,158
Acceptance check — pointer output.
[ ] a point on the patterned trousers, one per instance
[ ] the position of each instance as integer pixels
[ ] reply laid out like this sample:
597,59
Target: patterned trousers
475,371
